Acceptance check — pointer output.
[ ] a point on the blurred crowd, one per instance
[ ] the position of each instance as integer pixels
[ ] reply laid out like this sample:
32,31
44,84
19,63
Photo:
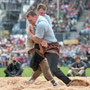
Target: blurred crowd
69,52
84,34
69,14
87,6
13,48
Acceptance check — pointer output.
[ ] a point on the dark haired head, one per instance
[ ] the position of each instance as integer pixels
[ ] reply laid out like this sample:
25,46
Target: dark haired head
31,13
41,6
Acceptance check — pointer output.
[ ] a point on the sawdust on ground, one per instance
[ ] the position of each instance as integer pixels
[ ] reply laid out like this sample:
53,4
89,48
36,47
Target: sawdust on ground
20,83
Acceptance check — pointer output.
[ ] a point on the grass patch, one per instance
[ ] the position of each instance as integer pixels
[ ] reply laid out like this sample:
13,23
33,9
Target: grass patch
28,71
65,70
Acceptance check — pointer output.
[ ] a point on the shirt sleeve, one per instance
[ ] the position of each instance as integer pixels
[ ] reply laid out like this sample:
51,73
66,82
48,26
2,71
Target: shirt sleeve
50,21
84,65
40,30
72,65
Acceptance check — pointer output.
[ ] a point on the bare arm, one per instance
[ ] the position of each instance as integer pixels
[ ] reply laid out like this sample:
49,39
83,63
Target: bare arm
30,28
34,38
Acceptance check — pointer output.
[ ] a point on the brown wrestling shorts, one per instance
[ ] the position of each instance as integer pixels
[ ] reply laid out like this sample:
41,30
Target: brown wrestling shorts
29,46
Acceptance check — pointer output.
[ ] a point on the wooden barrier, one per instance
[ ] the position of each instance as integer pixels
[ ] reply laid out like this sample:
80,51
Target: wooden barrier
70,42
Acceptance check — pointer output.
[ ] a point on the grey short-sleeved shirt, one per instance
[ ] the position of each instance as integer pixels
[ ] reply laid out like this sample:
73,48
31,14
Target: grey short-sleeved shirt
44,30
47,17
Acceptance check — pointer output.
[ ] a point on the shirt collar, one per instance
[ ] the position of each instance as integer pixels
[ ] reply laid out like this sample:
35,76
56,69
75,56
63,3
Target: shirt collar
40,18
37,21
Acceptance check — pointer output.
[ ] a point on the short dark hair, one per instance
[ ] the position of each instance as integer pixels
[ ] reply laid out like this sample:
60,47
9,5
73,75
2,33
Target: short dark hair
14,61
31,13
41,6
77,57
